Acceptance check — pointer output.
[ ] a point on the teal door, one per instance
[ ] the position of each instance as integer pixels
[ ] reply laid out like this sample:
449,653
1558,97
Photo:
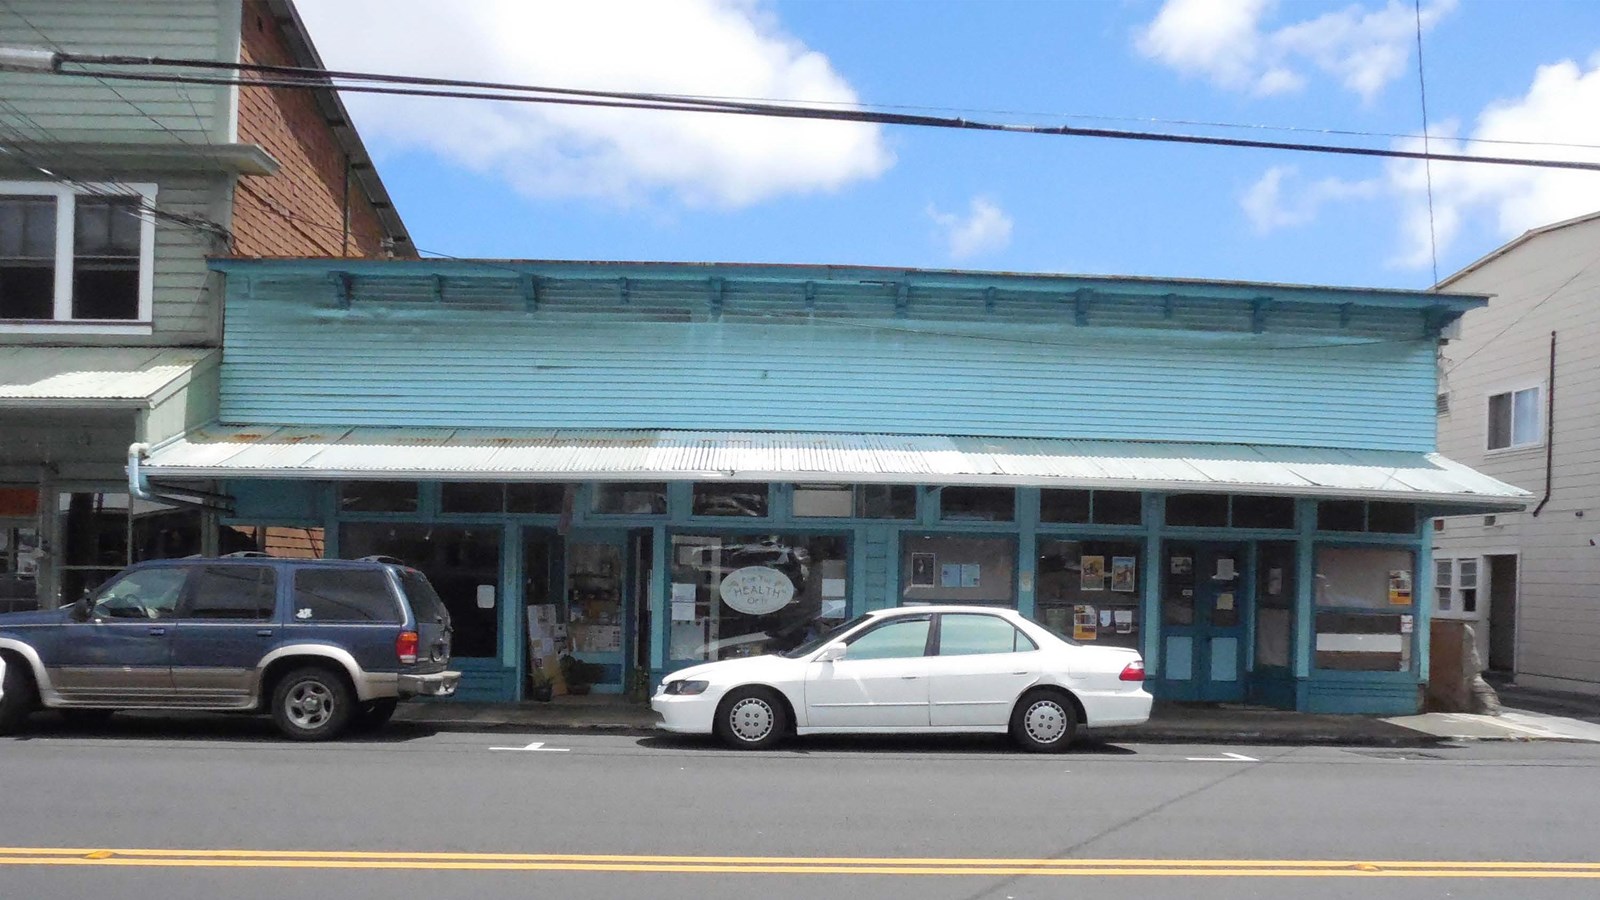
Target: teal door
1202,622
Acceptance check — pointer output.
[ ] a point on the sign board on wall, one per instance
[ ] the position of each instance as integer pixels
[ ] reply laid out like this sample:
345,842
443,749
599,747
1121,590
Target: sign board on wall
757,590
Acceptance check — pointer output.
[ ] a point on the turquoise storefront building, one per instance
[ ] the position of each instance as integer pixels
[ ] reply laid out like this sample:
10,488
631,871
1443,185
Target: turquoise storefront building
1237,479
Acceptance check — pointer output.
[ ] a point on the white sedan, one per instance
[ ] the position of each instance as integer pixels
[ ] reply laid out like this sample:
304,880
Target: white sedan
918,669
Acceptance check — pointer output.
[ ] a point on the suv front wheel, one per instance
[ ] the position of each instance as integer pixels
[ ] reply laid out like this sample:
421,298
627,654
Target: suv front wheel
312,704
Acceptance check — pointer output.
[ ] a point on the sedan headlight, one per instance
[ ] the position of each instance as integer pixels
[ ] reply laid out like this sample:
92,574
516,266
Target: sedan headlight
686,687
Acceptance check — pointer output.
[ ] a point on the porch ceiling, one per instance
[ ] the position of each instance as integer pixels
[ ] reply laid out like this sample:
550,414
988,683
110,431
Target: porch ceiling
448,454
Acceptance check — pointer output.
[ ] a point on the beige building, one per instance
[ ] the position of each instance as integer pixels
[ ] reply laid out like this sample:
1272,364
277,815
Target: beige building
1520,401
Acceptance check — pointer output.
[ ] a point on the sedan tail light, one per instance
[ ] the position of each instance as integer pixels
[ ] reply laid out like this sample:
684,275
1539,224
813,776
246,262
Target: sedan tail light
405,647
1133,671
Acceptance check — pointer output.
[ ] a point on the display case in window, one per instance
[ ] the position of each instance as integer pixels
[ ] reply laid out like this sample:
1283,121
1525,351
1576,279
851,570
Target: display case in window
1088,590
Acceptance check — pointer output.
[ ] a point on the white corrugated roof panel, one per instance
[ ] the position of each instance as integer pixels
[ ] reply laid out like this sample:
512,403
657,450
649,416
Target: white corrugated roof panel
499,455
78,375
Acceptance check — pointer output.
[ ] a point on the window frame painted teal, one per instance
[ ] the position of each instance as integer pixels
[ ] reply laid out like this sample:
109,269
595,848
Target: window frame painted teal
1414,609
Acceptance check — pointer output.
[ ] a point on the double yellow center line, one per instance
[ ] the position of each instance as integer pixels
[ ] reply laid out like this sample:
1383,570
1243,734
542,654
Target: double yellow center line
790,865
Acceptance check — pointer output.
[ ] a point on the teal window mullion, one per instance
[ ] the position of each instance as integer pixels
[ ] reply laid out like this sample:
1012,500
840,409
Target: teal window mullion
1155,506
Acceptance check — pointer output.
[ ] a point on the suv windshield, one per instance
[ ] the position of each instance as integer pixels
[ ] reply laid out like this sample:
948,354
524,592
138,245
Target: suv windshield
817,642
424,599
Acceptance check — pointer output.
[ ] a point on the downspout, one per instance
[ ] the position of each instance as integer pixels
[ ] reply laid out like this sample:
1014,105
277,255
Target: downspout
1549,429
140,487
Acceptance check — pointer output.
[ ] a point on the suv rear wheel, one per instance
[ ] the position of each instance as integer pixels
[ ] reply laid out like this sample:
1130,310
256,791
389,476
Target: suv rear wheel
20,695
313,703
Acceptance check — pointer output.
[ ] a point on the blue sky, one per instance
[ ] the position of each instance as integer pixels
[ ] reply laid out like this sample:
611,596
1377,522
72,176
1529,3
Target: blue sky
518,181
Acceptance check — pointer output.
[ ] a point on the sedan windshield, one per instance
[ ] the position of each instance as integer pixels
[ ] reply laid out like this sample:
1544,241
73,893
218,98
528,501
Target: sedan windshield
816,643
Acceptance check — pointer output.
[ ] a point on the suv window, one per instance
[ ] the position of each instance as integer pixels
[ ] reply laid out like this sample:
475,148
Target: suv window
425,602
235,593
343,595
145,594
897,639
969,634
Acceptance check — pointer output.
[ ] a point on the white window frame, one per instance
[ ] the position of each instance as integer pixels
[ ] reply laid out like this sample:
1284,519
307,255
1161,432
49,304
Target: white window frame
1511,392
1456,609
66,228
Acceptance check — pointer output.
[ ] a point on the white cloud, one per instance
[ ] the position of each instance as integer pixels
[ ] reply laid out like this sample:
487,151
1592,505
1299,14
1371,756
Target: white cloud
1226,42
731,48
985,229
1558,109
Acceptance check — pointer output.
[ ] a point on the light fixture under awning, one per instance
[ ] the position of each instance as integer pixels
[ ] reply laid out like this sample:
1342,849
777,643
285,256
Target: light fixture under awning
454,454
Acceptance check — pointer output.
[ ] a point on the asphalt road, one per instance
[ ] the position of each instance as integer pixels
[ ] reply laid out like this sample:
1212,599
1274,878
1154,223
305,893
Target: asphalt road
221,808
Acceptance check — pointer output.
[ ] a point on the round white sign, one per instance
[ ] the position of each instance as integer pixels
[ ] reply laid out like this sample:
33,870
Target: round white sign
757,590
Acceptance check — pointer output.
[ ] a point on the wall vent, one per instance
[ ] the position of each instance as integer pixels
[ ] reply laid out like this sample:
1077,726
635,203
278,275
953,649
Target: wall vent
1441,403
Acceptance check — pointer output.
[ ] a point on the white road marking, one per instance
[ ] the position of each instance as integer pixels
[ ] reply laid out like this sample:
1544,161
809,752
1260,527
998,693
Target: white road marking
1225,757
536,746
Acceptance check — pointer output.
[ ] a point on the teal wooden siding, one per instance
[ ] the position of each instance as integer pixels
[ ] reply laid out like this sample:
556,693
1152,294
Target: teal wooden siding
83,109
425,351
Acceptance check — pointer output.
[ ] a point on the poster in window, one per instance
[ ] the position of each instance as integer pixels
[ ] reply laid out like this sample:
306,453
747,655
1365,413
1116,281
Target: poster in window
971,574
1399,587
950,575
1122,577
924,569
1092,573
1181,565
1083,623
1124,621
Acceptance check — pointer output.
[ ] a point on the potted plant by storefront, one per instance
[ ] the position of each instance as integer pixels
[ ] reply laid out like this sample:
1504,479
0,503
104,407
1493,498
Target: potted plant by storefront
539,685
577,674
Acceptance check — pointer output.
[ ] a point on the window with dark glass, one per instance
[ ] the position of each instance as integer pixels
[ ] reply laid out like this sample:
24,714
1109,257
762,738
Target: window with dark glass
1391,518
1064,506
27,257
823,501
725,498
1275,592
1251,511
1118,508
1341,515
471,497
886,501
536,498
981,504
343,595
619,498
232,593
379,496
1198,510
461,562
105,269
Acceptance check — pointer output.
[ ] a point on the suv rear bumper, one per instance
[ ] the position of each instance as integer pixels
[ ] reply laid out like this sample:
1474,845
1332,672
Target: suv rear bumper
436,684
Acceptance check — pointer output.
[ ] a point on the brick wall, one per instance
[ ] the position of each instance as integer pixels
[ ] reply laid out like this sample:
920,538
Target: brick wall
299,211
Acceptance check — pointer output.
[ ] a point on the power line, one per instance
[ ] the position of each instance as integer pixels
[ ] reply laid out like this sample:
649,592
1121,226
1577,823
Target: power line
415,86
1422,85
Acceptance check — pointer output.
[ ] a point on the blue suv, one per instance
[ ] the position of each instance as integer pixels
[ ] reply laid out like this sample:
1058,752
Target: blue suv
320,645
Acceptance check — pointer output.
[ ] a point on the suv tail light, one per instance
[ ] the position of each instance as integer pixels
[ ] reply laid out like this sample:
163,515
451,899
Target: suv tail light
1133,671
405,647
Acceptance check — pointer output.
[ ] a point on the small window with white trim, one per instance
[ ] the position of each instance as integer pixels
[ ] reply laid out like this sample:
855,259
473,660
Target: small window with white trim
1514,419
78,255
1455,585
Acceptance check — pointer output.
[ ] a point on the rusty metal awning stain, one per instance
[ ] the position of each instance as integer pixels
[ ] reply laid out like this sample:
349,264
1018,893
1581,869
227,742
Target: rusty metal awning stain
255,451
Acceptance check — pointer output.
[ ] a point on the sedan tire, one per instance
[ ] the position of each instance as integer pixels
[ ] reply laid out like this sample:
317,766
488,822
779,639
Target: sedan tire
312,704
752,718
1044,722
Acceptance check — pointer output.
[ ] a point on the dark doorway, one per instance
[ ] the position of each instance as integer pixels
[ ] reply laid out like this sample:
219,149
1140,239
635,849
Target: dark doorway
1502,613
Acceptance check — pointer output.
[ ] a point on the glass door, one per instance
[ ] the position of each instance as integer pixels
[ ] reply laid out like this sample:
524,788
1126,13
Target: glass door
1202,622
594,612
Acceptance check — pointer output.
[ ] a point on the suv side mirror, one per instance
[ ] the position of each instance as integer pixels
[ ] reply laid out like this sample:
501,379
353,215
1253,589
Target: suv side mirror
81,609
832,652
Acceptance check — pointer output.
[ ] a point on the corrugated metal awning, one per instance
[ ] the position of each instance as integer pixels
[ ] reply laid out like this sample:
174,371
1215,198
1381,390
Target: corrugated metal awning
485,455
77,377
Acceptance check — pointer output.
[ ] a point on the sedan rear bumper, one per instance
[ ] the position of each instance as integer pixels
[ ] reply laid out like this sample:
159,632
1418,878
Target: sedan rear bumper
1109,709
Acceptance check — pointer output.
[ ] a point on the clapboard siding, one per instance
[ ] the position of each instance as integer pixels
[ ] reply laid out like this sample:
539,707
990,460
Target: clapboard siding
58,108
294,357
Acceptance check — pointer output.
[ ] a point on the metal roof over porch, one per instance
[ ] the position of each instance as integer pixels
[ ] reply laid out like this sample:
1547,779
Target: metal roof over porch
35,377
454,454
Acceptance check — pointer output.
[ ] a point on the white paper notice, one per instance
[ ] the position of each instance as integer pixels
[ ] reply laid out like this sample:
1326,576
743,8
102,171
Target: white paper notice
682,592
1225,569
1105,618
1225,600
832,609
682,612
486,596
832,587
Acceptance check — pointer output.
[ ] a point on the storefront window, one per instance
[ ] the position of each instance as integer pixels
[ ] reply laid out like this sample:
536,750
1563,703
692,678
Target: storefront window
1198,510
20,553
980,504
864,501
1089,590
1085,507
952,568
1263,512
283,541
1341,515
472,497
379,496
102,533
824,501
1275,592
886,501
1391,518
463,563
536,498
722,498
1364,609
745,595
626,498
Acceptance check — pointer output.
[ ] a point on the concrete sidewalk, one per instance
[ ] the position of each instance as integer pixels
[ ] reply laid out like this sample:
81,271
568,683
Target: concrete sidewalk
1169,723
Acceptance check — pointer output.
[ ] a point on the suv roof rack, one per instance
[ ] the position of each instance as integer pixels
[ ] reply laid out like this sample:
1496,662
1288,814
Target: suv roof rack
246,554
380,558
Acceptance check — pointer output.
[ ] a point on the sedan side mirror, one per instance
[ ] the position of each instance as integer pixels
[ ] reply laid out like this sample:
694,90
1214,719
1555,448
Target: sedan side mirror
81,609
832,652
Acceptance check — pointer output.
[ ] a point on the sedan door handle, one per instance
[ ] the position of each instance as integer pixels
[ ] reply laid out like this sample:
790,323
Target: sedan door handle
1022,672
908,677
